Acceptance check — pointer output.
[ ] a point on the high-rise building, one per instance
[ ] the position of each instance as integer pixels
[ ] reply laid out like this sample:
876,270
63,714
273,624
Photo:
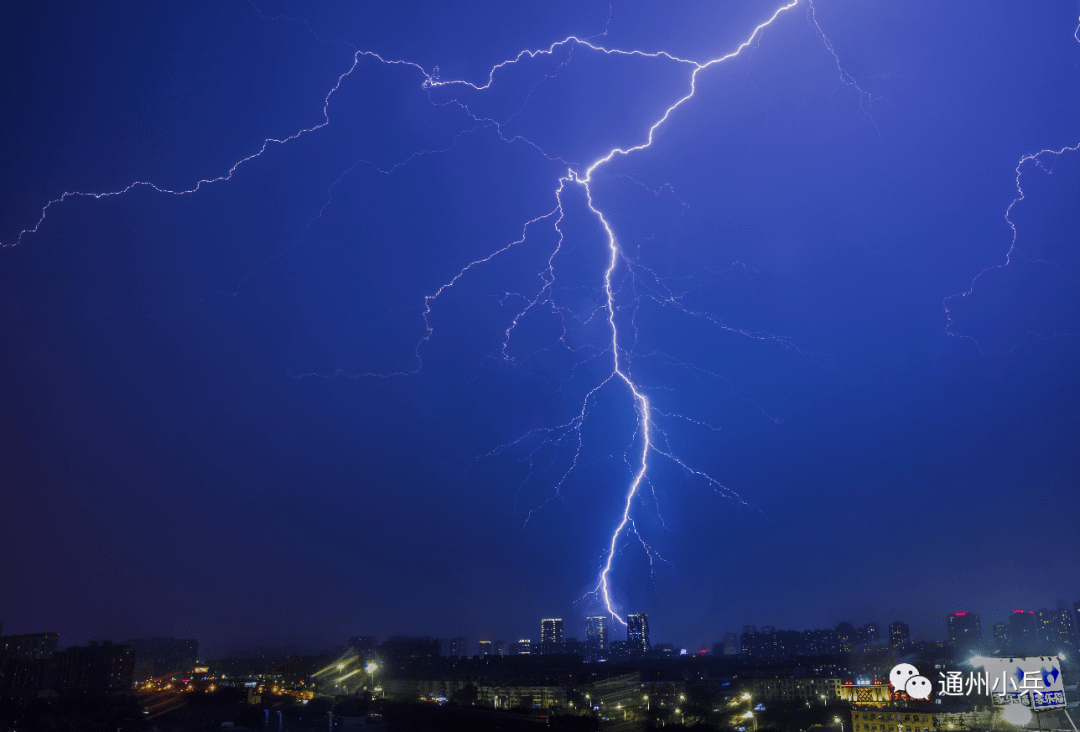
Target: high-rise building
845,635
1056,631
1022,635
1002,636
872,631
596,633
454,647
96,668
899,633
1069,629
637,633
403,648
1043,623
788,644
522,648
749,629
617,650
573,647
159,656
364,645
31,645
752,645
965,630
485,648
551,635
500,648
820,642
731,644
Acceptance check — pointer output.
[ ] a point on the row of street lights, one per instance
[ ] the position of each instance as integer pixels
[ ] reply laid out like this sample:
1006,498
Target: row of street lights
750,711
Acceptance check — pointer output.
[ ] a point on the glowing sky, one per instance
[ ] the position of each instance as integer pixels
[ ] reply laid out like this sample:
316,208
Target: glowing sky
385,339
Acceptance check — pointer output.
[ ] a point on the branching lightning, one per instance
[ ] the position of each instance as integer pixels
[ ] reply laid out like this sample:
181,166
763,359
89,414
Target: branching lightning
648,441
619,373
1037,160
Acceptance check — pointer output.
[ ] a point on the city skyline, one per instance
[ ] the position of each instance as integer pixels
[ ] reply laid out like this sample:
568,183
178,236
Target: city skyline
959,629
325,318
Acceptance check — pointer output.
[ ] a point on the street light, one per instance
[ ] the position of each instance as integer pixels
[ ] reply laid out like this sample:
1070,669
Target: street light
749,706
646,700
371,668
840,722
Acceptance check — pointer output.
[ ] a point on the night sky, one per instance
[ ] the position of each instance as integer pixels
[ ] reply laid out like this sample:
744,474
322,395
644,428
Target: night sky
242,414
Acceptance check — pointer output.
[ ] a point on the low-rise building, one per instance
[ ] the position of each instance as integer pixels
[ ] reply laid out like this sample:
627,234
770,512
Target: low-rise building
505,696
815,690
875,694
910,718
892,720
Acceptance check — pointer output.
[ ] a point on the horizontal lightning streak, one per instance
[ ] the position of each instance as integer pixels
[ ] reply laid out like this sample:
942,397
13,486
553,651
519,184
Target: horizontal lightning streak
221,178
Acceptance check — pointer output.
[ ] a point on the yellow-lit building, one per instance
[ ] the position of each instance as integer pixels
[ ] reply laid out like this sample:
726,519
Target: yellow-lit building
866,694
815,691
508,697
878,720
914,720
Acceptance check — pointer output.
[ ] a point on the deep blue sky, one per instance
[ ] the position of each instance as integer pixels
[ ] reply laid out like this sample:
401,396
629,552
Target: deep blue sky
202,432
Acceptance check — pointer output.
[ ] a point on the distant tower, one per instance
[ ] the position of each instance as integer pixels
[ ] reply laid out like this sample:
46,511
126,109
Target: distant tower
485,648
965,630
1056,630
454,647
1022,631
731,644
596,633
364,645
1066,628
845,635
551,632
1002,636
899,633
637,633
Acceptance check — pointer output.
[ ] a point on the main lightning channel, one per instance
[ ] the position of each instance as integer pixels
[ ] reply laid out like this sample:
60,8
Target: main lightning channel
603,587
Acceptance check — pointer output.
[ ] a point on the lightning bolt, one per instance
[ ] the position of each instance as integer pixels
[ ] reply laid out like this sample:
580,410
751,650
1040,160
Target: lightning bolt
619,373
649,441
641,401
1036,159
